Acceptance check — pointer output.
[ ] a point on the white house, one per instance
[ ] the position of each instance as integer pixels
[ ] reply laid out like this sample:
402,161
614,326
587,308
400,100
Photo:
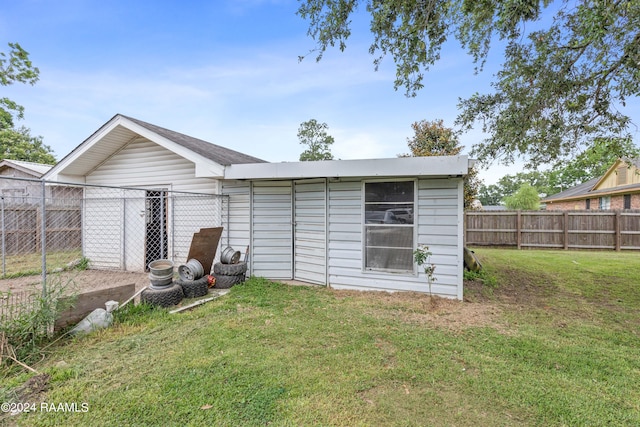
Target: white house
349,224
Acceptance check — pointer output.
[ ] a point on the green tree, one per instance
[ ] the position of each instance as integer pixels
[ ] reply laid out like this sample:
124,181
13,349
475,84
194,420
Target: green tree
16,67
433,138
17,143
560,86
526,198
314,135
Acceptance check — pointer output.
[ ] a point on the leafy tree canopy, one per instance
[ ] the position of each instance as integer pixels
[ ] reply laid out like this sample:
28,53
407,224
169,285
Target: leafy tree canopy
16,143
433,138
560,87
314,135
526,198
15,67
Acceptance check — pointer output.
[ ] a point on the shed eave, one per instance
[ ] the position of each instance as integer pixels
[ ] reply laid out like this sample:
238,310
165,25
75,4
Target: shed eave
443,166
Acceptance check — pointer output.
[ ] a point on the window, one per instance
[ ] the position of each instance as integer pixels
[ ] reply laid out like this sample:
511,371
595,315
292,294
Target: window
388,226
604,203
627,201
588,204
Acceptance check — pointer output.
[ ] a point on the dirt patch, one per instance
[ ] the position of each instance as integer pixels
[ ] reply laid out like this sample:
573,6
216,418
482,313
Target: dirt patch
76,282
425,310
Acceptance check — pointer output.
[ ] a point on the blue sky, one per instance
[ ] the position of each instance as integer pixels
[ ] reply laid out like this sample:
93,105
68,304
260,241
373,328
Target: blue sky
224,71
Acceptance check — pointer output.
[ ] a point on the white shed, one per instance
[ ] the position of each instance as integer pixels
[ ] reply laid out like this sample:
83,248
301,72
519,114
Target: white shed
348,224
352,224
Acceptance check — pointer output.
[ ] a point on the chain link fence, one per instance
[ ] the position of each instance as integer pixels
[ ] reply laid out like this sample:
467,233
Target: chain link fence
50,226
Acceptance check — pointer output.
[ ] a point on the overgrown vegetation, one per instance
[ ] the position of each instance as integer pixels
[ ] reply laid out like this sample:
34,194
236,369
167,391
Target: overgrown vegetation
28,324
554,343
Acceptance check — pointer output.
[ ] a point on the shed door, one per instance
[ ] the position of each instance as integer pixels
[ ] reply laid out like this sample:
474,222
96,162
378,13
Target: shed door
310,231
271,224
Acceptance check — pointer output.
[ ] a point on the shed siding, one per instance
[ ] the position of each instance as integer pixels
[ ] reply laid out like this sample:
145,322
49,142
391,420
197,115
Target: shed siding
271,227
438,221
239,214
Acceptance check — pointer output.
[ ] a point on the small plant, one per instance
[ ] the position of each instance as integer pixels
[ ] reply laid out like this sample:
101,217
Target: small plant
83,264
422,257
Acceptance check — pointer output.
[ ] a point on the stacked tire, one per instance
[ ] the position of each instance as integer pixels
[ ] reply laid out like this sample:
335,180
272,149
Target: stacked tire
162,290
194,288
228,275
164,296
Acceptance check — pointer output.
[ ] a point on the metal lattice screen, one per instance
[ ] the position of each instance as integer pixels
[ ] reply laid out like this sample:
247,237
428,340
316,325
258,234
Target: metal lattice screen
113,228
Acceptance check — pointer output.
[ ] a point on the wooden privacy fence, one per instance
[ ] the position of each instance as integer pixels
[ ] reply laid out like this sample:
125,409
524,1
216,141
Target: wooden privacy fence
616,230
21,229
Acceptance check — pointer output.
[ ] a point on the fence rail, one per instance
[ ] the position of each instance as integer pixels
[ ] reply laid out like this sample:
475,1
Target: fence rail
614,230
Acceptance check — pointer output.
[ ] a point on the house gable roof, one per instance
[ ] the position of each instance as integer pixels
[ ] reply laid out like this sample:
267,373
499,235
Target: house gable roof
31,168
119,131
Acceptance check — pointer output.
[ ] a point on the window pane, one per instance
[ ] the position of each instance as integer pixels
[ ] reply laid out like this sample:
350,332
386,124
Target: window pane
389,192
389,259
390,237
389,214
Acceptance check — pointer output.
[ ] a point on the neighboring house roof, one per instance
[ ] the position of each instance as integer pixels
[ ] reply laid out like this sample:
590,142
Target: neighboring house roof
595,187
209,159
31,168
580,190
493,208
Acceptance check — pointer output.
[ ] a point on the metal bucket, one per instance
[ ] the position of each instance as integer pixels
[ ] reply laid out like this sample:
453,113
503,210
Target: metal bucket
192,270
161,267
229,256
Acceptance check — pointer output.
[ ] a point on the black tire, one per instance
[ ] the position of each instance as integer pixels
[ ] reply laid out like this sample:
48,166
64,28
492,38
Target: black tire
230,269
225,282
194,288
164,297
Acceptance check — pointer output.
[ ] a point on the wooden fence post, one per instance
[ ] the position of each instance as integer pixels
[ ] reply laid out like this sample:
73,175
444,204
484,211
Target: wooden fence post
566,230
519,229
617,237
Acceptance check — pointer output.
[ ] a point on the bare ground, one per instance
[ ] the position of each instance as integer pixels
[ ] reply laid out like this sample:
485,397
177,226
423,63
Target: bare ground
76,282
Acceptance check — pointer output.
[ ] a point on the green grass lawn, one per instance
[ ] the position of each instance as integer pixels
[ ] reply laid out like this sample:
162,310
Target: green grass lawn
549,338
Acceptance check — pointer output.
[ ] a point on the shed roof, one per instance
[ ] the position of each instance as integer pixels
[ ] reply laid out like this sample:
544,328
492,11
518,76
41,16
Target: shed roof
441,166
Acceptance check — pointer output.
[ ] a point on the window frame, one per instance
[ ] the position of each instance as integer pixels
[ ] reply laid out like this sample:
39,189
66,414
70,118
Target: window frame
414,226
604,203
626,201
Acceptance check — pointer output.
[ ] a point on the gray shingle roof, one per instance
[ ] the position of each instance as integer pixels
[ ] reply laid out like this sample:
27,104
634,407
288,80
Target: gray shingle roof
578,190
221,155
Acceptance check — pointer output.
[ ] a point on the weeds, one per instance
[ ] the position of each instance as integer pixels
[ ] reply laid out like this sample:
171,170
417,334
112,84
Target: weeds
29,325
